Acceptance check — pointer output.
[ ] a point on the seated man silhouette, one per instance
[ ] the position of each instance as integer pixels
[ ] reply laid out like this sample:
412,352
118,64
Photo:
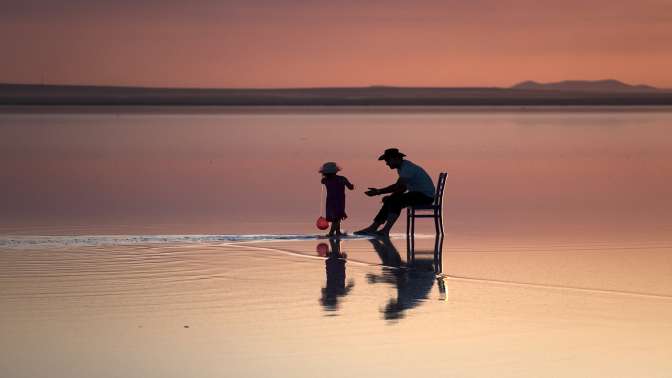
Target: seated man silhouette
414,187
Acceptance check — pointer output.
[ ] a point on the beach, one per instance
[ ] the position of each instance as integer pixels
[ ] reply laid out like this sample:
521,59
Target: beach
173,242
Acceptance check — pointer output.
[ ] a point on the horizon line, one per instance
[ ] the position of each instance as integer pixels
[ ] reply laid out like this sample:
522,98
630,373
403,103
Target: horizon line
254,88
320,87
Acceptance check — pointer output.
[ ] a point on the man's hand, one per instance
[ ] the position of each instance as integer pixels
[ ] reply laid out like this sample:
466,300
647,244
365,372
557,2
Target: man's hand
372,192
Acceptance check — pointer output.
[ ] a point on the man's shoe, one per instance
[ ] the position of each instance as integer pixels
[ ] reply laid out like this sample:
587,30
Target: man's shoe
365,232
382,234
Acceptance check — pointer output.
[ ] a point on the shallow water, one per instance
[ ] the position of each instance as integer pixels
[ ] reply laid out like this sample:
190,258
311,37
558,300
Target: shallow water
180,242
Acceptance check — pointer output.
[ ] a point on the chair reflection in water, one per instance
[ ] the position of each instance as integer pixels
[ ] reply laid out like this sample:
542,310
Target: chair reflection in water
435,211
413,284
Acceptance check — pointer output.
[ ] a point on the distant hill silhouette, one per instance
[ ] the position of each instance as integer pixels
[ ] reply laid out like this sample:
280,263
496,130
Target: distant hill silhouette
607,92
608,85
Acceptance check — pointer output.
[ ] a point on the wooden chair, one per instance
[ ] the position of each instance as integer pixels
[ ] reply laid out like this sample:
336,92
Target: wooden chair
435,210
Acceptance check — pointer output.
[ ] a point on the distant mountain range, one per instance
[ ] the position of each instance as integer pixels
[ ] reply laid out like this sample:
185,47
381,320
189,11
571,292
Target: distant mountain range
528,93
608,85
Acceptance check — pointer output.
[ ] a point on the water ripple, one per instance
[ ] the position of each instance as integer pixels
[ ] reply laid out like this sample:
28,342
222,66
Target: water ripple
21,242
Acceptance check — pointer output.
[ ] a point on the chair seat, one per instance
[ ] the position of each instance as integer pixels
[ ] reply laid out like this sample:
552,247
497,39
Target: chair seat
424,207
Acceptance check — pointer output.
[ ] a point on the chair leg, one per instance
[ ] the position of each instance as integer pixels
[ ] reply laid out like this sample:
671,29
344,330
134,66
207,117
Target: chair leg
437,240
441,222
413,235
408,236
439,264
441,243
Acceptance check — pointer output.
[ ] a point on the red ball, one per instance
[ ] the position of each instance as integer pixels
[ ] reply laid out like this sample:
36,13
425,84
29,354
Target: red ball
322,223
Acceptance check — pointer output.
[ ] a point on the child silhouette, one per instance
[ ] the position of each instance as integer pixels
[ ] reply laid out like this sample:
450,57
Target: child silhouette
335,207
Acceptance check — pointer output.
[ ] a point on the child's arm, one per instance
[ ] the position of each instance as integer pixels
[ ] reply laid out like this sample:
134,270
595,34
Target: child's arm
348,184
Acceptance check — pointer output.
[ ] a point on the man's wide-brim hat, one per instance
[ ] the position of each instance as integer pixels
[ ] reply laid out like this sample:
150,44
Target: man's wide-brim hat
390,153
330,167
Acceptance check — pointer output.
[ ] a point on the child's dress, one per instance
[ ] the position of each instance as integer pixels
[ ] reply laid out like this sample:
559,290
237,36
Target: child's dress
335,197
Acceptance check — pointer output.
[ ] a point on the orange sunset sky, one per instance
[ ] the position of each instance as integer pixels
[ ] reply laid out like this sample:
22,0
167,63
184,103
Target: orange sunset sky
298,43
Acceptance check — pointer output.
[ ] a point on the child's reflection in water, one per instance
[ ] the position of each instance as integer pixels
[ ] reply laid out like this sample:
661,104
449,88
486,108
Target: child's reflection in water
335,267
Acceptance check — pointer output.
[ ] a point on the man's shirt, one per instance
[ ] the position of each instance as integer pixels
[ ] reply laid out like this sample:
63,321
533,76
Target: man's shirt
416,179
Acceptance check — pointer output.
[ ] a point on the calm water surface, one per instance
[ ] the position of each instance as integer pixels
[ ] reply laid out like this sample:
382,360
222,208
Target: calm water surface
125,247
512,173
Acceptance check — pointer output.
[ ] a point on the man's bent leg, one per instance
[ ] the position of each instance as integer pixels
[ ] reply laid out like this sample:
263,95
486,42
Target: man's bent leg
416,198
398,203
389,222
393,205
382,215
389,203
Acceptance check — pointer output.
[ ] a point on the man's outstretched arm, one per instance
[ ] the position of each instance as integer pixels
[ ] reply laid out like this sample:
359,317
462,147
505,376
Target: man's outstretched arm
397,187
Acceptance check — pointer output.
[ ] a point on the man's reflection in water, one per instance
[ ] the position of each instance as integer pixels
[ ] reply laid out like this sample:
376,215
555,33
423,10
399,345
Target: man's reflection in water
413,285
335,267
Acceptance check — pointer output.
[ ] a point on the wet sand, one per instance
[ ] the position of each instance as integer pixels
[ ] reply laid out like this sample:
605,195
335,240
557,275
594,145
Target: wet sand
283,308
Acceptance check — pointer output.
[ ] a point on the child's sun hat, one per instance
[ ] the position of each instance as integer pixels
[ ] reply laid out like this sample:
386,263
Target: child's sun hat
329,167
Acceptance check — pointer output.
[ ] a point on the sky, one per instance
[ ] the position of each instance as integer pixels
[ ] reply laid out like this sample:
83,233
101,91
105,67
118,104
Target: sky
302,43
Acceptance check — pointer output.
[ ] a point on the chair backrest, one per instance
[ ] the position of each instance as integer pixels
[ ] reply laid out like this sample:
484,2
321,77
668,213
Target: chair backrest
440,186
